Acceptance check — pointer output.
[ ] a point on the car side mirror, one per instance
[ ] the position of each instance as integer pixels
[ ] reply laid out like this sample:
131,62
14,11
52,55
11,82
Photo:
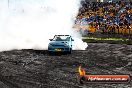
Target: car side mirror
50,39
72,39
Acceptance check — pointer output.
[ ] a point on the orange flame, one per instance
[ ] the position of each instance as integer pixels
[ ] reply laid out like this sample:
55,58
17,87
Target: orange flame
81,71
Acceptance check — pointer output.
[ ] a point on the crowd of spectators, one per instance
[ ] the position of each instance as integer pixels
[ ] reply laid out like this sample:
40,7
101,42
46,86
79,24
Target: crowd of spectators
105,17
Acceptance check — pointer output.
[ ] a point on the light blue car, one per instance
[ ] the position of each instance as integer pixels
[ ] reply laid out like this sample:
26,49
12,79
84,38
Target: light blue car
60,43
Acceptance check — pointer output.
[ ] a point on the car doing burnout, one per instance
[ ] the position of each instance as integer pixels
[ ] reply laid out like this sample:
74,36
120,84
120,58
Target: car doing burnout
60,43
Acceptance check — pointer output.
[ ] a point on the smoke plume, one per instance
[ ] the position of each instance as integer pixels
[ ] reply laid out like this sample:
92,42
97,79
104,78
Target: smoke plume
29,24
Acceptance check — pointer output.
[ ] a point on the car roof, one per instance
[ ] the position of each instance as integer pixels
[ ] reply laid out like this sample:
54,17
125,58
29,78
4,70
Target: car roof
62,35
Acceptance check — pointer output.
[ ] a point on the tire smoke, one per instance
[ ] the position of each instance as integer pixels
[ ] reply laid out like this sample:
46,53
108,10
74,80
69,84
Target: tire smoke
29,24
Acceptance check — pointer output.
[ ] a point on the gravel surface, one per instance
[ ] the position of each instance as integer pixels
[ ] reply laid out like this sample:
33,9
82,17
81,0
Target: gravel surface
37,69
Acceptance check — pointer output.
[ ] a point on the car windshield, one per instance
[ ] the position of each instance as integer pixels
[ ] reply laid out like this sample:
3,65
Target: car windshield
61,38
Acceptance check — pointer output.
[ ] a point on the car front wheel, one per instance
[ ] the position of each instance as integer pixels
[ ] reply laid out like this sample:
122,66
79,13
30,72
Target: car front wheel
70,51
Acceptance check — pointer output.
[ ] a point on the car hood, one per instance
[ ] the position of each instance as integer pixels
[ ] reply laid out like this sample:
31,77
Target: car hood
58,43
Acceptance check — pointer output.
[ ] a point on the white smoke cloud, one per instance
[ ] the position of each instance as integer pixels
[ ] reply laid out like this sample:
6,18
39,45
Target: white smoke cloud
29,24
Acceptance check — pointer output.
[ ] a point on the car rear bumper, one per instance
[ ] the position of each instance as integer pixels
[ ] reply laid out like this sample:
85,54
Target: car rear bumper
59,49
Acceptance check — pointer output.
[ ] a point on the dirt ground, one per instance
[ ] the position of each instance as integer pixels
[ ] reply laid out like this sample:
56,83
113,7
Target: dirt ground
37,69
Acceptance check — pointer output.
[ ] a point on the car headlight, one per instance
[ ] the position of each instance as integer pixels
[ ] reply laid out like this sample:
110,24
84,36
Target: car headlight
66,45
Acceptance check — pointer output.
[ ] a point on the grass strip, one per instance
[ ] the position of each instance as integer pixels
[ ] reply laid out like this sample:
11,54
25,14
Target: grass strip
113,39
